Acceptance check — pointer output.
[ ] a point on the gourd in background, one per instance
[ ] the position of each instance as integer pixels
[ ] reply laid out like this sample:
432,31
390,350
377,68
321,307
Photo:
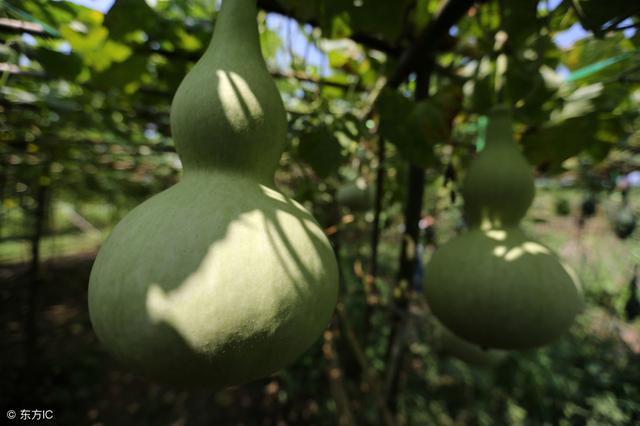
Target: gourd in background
220,279
624,219
624,222
493,285
357,196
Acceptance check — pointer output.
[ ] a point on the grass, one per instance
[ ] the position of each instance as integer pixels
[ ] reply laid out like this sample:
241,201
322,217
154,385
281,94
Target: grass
73,230
51,247
602,260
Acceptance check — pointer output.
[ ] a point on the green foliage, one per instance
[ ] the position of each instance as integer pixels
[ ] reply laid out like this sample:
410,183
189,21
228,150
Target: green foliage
321,150
341,19
128,16
59,65
413,127
520,20
595,14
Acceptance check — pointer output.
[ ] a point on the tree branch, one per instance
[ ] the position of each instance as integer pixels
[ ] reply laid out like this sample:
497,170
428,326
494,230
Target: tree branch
427,42
273,6
422,51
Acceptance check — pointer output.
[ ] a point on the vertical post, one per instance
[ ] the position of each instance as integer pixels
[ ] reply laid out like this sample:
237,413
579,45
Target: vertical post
407,260
375,234
35,276
375,238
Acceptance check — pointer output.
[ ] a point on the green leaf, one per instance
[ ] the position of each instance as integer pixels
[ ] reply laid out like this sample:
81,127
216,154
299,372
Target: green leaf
579,103
338,58
59,65
339,18
594,14
172,72
552,144
127,16
270,43
590,52
520,20
87,42
54,14
96,49
377,18
321,150
121,74
412,127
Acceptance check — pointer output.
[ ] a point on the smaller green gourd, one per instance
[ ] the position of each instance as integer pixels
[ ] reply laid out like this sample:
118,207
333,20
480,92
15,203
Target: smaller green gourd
498,189
493,285
589,206
357,196
562,207
624,223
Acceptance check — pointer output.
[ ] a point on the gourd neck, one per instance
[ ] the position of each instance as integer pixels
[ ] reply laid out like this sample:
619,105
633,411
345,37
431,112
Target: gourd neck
236,14
499,187
227,114
500,128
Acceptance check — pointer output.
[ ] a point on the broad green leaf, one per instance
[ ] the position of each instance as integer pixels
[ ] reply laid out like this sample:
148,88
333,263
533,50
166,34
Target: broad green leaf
55,14
552,144
520,20
127,16
270,42
339,18
591,51
97,50
594,14
187,41
321,150
412,127
59,65
579,103
120,75
172,72
87,42
338,58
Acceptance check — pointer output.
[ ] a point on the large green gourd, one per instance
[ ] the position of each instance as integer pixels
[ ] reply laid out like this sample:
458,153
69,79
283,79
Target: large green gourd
220,279
493,285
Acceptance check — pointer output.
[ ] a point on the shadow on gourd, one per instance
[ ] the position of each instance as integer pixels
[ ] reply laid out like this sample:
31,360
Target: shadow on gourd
220,279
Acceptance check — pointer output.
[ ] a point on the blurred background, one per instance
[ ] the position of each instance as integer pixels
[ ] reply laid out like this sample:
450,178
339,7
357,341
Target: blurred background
387,106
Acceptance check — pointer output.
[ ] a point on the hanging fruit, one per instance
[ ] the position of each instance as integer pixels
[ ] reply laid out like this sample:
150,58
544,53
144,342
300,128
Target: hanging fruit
562,207
493,285
588,207
357,196
624,223
220,279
